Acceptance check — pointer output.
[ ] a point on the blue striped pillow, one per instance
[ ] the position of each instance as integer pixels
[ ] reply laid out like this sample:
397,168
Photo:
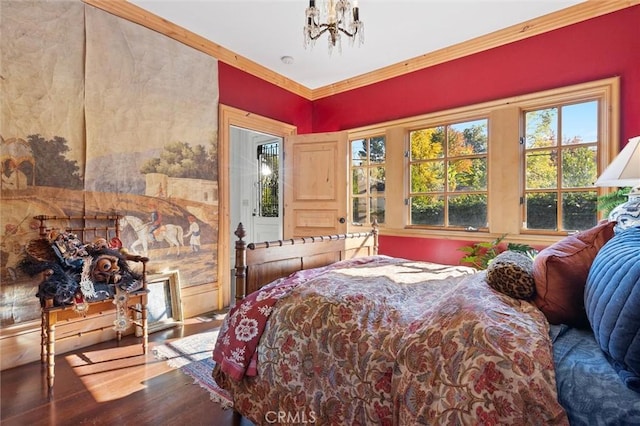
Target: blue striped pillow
612,302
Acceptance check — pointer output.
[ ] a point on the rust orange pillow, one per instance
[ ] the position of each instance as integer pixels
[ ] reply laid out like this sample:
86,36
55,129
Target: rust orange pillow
560,273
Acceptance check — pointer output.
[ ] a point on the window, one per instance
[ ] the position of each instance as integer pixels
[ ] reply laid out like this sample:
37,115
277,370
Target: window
368,180
268,171
561,165
448,175
522,166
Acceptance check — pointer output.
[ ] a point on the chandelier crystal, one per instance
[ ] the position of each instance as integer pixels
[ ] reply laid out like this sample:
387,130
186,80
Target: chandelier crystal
341,18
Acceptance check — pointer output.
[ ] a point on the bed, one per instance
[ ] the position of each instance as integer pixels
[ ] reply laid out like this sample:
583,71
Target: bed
327,331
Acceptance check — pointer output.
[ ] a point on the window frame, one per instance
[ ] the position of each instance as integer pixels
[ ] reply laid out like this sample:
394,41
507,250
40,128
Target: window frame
367,167
446,192
504,158
559,190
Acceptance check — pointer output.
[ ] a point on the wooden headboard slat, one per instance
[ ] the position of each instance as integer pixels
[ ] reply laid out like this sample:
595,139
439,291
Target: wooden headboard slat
258,264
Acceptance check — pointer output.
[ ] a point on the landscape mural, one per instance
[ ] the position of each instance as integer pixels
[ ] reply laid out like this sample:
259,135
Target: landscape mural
101,116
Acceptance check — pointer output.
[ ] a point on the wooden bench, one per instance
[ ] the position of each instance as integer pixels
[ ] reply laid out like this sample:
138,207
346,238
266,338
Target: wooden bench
65,319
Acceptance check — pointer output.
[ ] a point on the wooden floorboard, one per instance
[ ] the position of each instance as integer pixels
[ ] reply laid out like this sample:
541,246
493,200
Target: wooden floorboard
113,383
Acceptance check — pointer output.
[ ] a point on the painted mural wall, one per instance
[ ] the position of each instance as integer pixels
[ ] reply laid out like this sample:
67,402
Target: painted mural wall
100,115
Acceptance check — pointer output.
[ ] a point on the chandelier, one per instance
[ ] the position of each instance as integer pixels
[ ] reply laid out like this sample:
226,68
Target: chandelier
342,18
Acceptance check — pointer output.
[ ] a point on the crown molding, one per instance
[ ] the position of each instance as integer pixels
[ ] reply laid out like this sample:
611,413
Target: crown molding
562,18
571,15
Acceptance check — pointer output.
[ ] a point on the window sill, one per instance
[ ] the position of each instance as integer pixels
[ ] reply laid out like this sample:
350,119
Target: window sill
536,240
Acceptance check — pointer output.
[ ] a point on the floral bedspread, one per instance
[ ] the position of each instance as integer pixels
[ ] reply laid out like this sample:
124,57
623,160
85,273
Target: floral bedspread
235,351
396,342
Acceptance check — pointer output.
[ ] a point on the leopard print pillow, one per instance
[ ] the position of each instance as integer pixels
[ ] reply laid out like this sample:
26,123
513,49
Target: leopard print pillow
511,273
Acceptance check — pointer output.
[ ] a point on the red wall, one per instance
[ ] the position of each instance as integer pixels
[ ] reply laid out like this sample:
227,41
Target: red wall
244,91
598,48
439,251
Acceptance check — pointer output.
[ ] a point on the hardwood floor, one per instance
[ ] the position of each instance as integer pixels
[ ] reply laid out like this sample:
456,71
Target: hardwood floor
111,384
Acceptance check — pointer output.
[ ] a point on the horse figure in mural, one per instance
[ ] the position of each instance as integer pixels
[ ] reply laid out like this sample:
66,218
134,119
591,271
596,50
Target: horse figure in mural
172,234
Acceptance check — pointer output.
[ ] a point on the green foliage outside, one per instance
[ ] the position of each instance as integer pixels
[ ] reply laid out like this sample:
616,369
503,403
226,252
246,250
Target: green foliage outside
464,210
368,179
578,210
560,169
427,211
464,175
564,165
377,149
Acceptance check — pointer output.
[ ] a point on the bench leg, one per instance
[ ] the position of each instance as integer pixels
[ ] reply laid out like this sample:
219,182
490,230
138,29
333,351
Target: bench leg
51,357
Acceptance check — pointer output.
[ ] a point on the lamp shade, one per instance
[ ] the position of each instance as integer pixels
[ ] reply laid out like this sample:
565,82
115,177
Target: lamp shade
624,170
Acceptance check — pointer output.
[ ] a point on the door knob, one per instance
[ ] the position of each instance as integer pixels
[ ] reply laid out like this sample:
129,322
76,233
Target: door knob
342,220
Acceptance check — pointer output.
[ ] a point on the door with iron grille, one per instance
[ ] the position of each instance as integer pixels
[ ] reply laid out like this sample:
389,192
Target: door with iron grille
267,210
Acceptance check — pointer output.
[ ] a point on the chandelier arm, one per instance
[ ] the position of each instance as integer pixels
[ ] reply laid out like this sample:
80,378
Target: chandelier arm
325,28
348,33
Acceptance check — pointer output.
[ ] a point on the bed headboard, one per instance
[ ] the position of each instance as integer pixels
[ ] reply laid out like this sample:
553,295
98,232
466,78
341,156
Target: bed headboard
258,264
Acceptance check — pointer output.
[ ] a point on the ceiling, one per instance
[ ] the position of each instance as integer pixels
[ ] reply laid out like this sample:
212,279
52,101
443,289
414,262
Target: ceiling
264,31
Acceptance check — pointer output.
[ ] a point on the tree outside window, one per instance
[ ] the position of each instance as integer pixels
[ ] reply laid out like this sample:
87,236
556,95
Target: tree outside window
448,172
368,180
561,166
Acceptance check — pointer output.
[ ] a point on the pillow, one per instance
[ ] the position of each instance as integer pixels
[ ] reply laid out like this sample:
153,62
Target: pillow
560,273
511,273
612,302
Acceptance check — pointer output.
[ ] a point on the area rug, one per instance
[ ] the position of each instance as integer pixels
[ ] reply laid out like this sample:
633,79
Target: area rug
193,356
